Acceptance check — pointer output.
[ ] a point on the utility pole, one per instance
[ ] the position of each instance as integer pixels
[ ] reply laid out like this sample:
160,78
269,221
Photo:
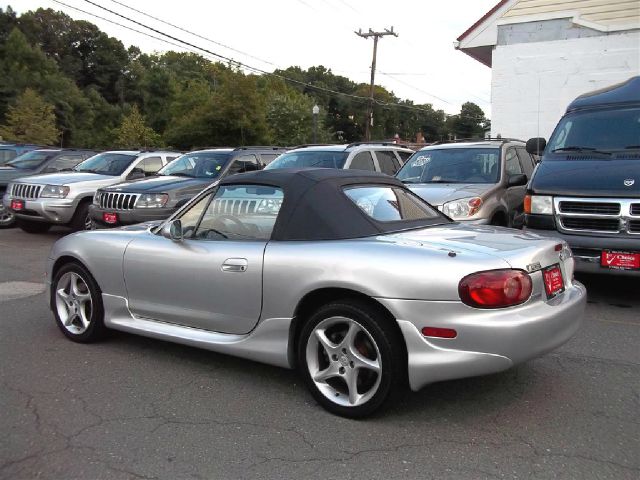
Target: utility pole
376,36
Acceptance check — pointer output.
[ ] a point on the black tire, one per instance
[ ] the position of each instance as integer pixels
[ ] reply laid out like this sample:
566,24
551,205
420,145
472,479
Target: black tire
81,219
95,329
498,220
7,219
32,227
392,358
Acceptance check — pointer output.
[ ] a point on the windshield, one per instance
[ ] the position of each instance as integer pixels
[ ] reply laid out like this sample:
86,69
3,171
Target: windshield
7,154
106,164
31,159
197,165
597,130
302,159
452,165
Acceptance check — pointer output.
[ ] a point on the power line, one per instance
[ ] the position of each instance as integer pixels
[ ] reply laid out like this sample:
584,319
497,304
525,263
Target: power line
254,69
118,24
416,88
239,64
194,34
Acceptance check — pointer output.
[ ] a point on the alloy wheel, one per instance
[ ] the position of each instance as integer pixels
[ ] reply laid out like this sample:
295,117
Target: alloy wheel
6,217
74,303
344,361
88,223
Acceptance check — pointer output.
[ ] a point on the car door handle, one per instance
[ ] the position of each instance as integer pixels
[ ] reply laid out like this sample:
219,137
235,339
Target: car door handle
235,265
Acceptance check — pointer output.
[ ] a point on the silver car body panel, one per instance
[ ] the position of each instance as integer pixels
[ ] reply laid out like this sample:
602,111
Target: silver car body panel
413,274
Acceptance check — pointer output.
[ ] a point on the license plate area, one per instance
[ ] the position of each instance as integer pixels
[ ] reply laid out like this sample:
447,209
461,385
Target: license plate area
618,260
110,218
17,205
553,281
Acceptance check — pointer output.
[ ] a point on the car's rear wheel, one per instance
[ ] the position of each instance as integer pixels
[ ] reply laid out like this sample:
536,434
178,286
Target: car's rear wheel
32,227
77,304
351,358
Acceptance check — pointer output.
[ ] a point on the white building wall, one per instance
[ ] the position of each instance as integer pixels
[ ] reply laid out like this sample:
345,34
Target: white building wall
532,83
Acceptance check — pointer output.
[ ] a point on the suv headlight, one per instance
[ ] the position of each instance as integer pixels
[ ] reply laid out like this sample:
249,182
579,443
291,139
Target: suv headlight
463,208
153,200
54,191
96,198
538,204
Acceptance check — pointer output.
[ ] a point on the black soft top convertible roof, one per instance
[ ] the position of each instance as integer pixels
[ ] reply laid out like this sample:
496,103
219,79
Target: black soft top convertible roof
315,206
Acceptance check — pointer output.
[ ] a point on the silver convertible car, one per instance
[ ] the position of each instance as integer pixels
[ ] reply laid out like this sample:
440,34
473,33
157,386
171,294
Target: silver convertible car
345,275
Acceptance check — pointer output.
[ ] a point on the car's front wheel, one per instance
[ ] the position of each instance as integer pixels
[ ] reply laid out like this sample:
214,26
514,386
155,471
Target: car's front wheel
77,304
351,358
7,219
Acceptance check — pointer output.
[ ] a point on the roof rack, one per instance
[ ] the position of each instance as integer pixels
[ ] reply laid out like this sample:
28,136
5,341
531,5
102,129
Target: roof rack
480,139
384,143
306,145
260,147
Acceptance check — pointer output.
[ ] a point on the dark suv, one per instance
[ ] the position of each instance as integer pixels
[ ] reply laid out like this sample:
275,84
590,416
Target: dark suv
158,197
33,162
586,190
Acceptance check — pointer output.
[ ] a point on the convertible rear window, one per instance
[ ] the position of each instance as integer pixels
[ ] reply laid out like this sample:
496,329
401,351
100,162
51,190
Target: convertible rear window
390,204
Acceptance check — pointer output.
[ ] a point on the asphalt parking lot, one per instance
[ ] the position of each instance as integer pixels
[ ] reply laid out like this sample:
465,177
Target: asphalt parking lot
131,407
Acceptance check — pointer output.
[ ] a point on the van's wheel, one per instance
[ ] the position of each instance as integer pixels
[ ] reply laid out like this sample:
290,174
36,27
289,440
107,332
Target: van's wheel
351,358
81,219
32,227
77,302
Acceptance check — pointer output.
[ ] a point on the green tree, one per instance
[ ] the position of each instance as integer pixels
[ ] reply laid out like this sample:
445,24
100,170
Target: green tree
290,119
134,133
470,122
31,120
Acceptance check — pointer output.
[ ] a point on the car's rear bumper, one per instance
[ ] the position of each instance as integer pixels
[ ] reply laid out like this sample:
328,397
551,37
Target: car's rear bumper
48,210
587,250
130,217
487,341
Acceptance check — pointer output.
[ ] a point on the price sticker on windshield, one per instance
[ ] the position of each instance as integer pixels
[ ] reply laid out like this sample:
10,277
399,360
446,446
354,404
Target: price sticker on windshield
421,161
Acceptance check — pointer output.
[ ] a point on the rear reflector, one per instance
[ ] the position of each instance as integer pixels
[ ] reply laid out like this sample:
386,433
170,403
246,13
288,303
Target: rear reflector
439,332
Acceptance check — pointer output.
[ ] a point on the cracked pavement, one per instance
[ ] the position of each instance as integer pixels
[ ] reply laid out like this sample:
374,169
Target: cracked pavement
137,408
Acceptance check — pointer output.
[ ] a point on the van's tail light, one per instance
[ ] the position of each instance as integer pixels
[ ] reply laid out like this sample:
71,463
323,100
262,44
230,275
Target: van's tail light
495,288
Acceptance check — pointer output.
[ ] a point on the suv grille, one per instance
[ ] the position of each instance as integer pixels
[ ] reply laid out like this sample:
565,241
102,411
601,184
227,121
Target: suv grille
598,215
598,208
117,201
25,190
234,206
593,224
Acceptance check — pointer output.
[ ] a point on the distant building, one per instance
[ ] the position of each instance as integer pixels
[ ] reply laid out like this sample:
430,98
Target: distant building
544,53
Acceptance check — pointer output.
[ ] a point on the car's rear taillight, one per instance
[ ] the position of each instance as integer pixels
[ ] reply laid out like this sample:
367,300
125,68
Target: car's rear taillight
495,288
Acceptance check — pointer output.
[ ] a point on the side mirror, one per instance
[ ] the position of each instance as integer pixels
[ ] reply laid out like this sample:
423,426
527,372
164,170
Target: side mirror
135,174
517,180
173,230
535,146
